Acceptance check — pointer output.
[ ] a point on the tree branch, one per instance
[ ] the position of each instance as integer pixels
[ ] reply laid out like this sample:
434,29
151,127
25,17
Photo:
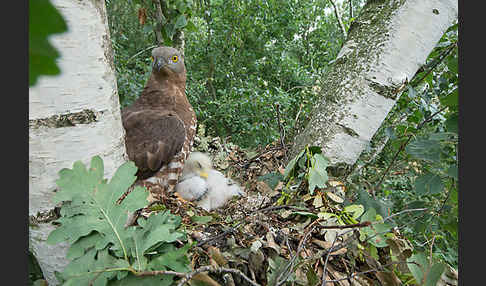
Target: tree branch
350,9
188,276
434,64
282,130
402,147
144,50
160,21
339,19
372,270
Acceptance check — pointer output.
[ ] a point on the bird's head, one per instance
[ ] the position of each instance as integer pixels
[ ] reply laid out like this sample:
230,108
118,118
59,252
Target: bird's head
167,60
198,163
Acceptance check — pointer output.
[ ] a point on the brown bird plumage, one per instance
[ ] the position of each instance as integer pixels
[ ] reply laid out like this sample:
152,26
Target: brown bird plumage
160,125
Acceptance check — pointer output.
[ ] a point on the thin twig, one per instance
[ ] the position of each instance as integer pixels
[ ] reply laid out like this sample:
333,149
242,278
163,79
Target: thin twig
361,224
188,276
399,213
327,258
372,270
441,57
256,157
350,9
298,113
444,202
339,19
431,248
281,129
288,268
223,234
352,238
402,147
160,19
272,208
142,51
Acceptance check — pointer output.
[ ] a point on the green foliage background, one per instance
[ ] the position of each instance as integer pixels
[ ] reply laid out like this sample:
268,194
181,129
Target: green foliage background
243,57
44,20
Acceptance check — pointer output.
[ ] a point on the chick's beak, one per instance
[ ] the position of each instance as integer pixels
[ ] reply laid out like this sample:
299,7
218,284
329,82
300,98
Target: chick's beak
203,174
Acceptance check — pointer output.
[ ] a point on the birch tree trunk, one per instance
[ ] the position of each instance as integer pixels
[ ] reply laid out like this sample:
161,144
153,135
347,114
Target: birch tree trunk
385,47
72,117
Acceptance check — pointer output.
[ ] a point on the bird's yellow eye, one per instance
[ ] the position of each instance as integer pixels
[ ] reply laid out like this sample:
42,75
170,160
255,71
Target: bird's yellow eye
174,59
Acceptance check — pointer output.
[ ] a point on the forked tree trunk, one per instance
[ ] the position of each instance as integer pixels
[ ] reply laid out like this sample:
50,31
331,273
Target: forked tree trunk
386,45
72,117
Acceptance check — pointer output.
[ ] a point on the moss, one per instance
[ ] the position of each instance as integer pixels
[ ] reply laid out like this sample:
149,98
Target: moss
349,131
66,120
343,83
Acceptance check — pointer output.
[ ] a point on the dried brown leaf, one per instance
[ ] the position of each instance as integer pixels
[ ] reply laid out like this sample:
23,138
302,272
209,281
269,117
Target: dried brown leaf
327,245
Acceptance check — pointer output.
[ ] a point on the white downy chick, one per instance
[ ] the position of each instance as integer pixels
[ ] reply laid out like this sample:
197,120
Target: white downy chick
201,184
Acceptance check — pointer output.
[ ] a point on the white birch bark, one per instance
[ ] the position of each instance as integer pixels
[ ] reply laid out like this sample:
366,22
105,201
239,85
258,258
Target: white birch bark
386,45
73,116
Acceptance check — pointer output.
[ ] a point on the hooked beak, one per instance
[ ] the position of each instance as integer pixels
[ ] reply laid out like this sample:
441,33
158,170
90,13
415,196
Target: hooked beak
158,64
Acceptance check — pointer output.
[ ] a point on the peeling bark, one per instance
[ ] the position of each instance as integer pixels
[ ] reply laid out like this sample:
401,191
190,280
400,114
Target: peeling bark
73,116
386,45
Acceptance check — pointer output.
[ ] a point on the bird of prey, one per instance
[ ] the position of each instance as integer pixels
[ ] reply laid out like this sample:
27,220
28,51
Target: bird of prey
160,125
203,185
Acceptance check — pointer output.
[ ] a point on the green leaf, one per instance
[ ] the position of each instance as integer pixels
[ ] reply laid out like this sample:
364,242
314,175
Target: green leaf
375,234
168,32
452,171
381,206
411,92
181,6
424,273
390,133
180,22
163,233
325,215
451,100
95,203
452,64
434,274
95,225
91,267
132,280
311,275
318,174
316,179
44,20
424,149
289,170
157,229
148,28
172,258
428,183
201,219
277,265
191,27
271,179
419,270
307,214
355,210
452,123
79,248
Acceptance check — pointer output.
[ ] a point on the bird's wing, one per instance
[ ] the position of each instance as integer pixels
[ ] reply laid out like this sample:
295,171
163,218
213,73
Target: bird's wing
220,189
152,138
192,188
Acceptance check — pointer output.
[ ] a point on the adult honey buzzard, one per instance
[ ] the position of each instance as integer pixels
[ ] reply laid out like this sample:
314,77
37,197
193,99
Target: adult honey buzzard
160,125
